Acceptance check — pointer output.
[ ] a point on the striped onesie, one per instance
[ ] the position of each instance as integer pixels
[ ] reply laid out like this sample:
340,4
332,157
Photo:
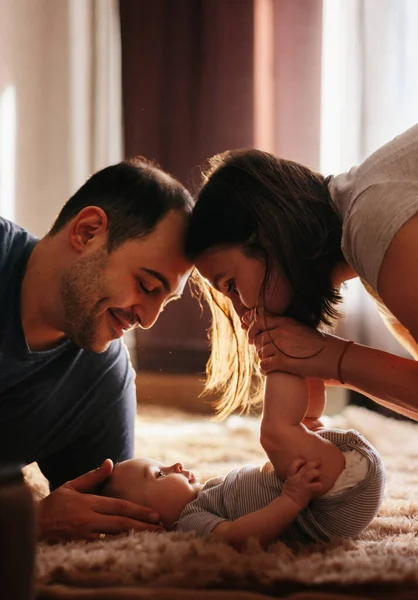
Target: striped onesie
341,513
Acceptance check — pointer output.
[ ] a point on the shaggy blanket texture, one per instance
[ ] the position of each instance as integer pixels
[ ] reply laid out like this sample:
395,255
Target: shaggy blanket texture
384,557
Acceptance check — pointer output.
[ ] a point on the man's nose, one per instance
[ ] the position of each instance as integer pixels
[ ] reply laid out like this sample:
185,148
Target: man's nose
149,314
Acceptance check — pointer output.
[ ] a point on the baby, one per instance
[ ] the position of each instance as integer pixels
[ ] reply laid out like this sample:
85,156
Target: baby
248,502
333,492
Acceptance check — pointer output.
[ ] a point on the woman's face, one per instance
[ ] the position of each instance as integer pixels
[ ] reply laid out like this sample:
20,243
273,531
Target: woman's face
240,277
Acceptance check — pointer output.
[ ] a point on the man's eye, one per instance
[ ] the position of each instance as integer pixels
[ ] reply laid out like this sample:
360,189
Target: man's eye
161,474
147,289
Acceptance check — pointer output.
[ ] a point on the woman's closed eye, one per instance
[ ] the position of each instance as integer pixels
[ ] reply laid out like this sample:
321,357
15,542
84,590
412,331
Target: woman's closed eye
231,286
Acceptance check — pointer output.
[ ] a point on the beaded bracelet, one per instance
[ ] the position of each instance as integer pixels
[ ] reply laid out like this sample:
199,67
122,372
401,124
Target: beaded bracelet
340,361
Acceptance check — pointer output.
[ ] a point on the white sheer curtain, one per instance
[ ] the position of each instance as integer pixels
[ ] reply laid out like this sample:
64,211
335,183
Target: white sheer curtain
369,95
60,102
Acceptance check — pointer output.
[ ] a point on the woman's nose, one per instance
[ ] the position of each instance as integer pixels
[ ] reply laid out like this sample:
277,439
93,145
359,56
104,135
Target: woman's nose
178,467
239,308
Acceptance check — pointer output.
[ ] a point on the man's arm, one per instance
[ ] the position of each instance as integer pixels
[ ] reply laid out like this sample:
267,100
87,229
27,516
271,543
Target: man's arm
101,421
268,523
102,428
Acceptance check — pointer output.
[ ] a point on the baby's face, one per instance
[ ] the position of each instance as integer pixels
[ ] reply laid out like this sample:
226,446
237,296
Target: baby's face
165,489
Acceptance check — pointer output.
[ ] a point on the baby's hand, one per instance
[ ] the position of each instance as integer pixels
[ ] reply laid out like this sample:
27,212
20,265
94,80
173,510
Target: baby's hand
302,482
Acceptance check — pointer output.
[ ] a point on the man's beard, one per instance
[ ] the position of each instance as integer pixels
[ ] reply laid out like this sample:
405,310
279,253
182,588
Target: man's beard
81,286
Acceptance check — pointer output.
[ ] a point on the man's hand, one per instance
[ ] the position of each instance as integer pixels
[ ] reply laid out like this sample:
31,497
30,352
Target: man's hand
70,513
302,482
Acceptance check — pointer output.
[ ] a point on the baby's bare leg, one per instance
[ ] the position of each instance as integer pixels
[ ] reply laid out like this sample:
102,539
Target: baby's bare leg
316,405
283,435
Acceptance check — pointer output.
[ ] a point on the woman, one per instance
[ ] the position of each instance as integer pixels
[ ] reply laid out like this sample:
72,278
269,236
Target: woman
275,241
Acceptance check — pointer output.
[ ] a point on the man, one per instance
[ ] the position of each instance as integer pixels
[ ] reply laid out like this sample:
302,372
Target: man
111,262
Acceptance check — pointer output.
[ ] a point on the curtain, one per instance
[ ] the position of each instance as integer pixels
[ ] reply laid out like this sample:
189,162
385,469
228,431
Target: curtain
204,76
187,72
94,73
60,105
287,74
369,95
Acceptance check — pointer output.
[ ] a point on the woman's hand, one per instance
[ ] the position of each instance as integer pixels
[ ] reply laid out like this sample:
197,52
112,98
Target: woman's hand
283,344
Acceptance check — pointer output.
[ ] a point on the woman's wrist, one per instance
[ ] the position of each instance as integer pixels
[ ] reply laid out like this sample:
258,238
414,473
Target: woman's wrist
340,376
331,361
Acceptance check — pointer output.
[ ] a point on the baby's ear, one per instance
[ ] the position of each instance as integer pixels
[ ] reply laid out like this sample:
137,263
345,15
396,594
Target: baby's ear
103,489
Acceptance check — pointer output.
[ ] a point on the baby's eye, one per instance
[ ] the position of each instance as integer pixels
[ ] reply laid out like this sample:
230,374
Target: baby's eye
161,474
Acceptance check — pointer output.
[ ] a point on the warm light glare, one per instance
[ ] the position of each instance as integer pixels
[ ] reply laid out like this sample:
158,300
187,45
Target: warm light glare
201,426
263,75
7,152
330,87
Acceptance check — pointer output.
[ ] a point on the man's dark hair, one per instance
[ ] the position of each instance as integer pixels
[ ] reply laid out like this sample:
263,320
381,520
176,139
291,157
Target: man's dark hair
135,195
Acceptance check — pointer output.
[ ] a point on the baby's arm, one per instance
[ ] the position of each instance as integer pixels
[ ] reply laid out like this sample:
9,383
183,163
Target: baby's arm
268,523
284,437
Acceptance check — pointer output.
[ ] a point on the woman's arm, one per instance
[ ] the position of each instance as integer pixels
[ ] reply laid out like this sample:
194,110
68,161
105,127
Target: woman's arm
294,348
384,378
393,381
389,380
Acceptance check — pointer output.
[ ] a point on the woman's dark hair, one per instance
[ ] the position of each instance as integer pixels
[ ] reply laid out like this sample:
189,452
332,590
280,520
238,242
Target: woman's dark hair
281,212
135,195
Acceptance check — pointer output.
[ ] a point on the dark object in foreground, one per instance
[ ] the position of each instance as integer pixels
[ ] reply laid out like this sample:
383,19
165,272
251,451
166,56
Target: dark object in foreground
17,534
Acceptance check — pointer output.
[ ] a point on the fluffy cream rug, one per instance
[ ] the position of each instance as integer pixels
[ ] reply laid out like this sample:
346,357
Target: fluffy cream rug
386,554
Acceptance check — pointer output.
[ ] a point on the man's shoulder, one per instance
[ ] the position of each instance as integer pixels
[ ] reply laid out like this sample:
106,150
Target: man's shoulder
114,362
9,230
105,379
14,240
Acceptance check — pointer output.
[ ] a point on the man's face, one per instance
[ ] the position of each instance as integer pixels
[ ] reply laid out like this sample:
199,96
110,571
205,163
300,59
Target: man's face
166,489
103,295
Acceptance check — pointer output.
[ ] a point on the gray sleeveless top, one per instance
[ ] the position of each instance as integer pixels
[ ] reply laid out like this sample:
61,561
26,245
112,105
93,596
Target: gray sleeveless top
375,199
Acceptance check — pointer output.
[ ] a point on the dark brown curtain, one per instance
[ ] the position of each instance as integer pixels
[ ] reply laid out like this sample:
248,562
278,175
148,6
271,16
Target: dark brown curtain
187,79
189,91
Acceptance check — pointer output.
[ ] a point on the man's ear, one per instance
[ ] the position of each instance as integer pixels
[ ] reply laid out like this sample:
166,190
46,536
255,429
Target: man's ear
89,229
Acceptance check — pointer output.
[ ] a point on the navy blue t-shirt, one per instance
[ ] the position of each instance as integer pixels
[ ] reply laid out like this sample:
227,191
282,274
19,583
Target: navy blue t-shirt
66,408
